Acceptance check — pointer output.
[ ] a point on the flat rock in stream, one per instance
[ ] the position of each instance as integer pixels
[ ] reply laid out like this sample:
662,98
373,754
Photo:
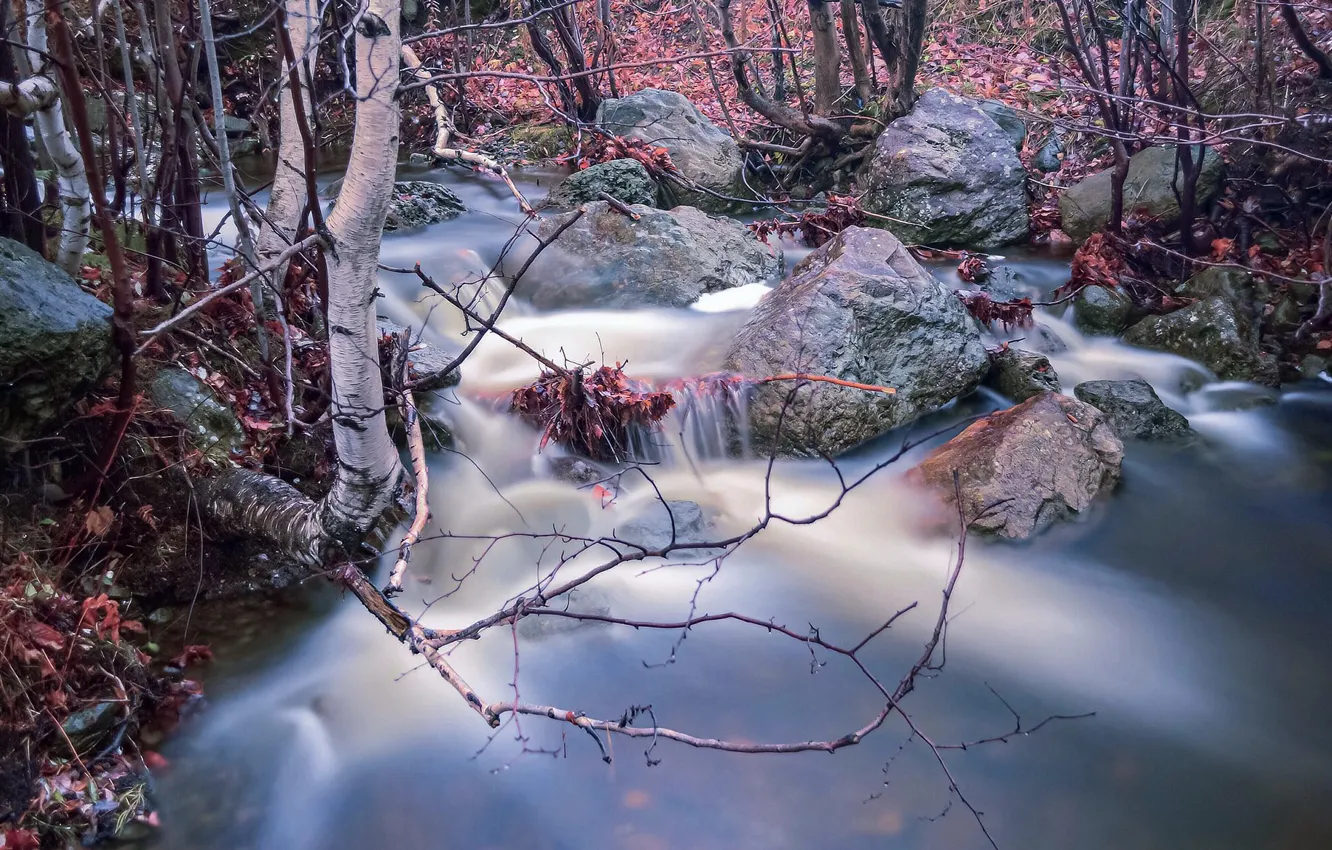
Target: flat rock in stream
625,180
1136,412
1022,469
859,309
1020,374
667,258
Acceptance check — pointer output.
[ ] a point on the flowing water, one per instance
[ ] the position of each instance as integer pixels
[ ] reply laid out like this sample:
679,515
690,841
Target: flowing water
1188,612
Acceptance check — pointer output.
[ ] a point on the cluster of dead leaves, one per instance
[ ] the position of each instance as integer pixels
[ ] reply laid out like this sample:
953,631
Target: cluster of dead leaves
655,158
1015,312
70,654
815,227
591,414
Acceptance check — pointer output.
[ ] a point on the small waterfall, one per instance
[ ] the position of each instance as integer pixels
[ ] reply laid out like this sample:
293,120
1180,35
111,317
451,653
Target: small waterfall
710,421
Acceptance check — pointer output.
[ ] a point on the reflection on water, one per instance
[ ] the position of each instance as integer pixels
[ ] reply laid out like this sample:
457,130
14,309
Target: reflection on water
1188,612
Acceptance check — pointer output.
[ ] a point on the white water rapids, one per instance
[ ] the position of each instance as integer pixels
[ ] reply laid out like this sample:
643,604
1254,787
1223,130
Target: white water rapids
1185,612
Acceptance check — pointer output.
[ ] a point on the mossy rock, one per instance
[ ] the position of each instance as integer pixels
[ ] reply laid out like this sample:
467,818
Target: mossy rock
542,141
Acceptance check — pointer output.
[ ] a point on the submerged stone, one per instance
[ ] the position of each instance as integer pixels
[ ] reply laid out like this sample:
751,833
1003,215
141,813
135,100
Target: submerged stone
1020,374
667,258
1211,332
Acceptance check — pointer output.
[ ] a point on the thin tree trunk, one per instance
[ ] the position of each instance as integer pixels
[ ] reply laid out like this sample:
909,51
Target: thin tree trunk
71,175
287,198
899,35
827,59
122,326
855,53
816,126
1306,44
131,102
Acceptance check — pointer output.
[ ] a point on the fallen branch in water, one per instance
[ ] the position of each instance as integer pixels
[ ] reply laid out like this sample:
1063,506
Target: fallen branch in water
444,129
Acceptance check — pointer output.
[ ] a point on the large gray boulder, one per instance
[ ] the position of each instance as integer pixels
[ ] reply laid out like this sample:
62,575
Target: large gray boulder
859,309
703,152
1211,332
668,258
1150,189
950,173
1135,411
55,343
625,180
1022,469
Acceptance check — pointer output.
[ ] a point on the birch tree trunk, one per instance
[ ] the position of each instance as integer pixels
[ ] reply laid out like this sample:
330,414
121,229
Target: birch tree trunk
287,198
43,100
369,469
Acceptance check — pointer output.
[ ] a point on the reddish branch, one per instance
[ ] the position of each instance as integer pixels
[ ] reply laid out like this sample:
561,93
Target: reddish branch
801,376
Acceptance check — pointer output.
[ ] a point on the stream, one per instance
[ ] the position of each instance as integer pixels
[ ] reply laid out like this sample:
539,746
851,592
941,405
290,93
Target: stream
1188,612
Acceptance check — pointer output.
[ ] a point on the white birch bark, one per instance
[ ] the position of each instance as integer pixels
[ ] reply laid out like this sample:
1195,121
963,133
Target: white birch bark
287,197
369,468
71,177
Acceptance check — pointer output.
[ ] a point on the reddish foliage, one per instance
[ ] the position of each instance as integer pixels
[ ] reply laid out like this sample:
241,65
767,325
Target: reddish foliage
972,269
815,226
656,159
192,654
1015,312
591,414
1099,262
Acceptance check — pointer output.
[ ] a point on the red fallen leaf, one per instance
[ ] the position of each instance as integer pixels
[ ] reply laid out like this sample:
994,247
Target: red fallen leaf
155,761
1324,344
195,652
42,635
19,839
1221,247
90,273
103,615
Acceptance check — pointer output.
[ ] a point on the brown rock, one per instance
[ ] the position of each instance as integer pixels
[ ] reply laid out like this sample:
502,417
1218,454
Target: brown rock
1024,468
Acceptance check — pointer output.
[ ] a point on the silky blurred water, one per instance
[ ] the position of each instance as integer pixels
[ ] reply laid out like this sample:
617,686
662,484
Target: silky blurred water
1188,612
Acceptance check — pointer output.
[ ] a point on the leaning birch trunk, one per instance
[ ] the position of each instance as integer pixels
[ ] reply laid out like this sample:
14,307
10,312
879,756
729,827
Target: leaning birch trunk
368,463
71,177
369,469
287,198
